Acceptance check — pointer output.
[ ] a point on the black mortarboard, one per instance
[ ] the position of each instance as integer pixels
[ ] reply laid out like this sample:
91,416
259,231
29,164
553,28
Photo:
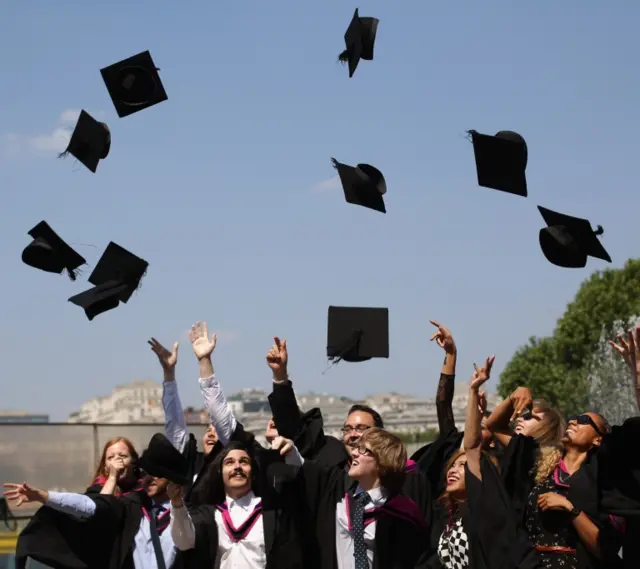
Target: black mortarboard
357,334
501,161
134,84
359,39
116,276
48,252
568,241
90,141
163,460
363,185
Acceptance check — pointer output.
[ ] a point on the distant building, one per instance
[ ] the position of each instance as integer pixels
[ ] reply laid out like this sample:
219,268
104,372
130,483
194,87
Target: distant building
136,402
22,417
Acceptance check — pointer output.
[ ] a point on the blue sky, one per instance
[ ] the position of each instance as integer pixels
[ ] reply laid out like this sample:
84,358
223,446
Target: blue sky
224,188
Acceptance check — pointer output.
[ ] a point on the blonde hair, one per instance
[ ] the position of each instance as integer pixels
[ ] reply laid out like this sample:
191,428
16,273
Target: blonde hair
551,427
548,458
390,454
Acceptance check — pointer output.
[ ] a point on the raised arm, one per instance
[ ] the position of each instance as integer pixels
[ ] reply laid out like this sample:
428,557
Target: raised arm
473,423
446,385
77,505
220,414
629,349
498,422
175,425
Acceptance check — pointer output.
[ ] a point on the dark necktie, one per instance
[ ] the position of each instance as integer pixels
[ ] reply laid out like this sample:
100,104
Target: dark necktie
357,525
158,510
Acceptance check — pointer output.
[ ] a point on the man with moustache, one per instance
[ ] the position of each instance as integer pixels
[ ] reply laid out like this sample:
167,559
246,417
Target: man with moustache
131,532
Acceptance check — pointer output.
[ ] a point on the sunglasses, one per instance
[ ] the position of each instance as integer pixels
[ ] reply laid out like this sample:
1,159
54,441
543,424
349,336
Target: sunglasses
585,420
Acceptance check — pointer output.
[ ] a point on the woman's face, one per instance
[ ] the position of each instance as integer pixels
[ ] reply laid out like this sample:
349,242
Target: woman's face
528,422
363,463
455,477
236,473
118,455
584,431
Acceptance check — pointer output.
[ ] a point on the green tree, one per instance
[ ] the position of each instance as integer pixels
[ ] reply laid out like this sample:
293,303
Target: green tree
557,368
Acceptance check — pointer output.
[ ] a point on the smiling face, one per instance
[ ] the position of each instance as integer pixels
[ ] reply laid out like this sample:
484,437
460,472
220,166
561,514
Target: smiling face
156,487
209,439
236,473
363,463
356,424
456,487
528,423
582,431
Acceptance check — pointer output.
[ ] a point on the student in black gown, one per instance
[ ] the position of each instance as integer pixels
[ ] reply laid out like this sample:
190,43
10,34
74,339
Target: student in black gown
117,472
539,430
175,426
131,531
474,526
252,521
432,457
363,517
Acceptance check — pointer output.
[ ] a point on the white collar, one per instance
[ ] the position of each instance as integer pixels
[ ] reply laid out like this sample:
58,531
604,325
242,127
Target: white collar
245,502
377,495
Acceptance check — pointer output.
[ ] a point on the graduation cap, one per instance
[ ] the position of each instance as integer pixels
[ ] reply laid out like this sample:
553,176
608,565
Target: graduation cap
134,84
115,278
90,141
568,241
357,334
48,252
359,39
363,185
501,161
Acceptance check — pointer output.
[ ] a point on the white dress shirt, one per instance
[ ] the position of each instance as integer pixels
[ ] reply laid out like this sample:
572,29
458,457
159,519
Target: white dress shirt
248,553
344,538
220,413
144,557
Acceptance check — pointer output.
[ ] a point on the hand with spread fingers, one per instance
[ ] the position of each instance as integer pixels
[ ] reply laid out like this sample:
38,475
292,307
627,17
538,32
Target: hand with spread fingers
443,338
24,494
629,349
199,337
168,359
277,359
481,375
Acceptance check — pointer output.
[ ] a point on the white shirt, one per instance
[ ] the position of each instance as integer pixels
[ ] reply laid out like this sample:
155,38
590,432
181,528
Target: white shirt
344,538
248,553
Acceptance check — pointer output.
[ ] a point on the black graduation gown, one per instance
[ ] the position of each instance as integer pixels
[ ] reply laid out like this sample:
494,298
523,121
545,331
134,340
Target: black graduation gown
198,463
495,542
104,541
305,429
619,484
401,538
516,468
281,528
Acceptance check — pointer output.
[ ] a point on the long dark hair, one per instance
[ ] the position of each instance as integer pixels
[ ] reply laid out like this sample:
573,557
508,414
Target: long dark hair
211,488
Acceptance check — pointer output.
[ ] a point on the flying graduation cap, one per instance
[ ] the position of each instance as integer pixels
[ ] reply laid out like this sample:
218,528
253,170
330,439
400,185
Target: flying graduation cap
568,241
357,334
363,185
90,141
359,39
48,252
134,84
115,278
501,161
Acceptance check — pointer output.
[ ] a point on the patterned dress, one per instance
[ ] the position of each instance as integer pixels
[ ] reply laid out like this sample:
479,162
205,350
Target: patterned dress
552,528
453,546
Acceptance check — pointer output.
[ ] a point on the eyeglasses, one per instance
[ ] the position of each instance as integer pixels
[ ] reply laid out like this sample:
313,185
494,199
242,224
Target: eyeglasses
348,429
527,415
364,451
585,420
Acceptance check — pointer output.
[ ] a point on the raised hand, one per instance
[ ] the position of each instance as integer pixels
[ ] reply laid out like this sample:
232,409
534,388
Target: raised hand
168,359
116,468
285,446
176,494
629,349
482,402
23,494
481,375
521,400
277,358
199,337
443,338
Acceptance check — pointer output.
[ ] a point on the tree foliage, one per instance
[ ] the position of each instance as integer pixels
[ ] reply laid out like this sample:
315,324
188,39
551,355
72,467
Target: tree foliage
559,367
